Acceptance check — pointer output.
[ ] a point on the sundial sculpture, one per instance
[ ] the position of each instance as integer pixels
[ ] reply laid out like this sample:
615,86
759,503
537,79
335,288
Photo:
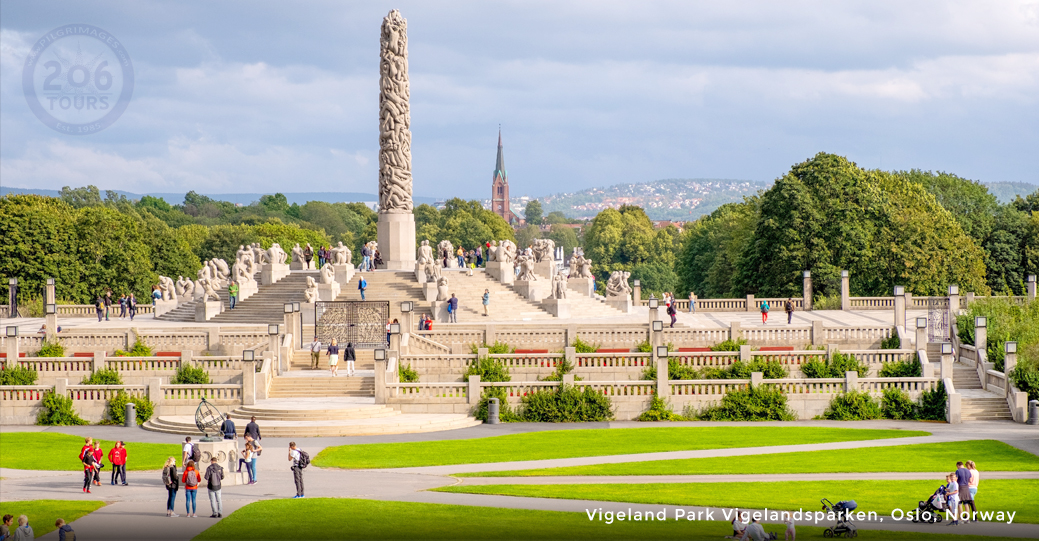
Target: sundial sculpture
207,417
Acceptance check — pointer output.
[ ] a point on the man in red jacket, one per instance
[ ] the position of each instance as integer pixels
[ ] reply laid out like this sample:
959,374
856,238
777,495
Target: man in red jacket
117,456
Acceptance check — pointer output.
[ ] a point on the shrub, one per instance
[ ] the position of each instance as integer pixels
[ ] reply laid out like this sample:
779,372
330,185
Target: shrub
826,302
18,375
188,374
909,368
51,349
834,367
891,342
580,346
933,404
58,411
139,349
491,370
566,405
659,410
408,374
103,376
117,408
761,403
729,345
505,413
563,367
853,406
497,348
645,347
1026,380
1008,320
895,404
488,369
675,370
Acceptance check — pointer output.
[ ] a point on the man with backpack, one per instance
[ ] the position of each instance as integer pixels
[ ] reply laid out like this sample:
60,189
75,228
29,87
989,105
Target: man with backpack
99,307
789,306
362,285
452,309
300,460
190,452
214,475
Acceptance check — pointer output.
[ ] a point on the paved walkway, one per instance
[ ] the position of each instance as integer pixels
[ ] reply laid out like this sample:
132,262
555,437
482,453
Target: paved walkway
136,511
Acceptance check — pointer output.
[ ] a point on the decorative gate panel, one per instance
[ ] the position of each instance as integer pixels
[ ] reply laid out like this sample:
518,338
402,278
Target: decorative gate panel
361,322
938,319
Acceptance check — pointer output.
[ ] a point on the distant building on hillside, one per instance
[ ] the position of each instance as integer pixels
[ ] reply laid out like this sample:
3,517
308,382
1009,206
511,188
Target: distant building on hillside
500,203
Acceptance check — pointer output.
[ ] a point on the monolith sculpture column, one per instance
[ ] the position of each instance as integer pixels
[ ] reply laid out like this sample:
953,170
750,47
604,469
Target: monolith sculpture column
396,227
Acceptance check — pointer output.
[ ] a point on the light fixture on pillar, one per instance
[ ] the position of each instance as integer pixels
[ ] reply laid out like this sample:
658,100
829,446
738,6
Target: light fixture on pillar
380,355
50,309
808,274
272,330
662,351
844,274
946,348
1031,277
288,308
50,281
1010,347
638,283
658,326
394,328
954,289
12,282
900,290
980,322
921,323
654,302
12,331
295,307
249,355
406,306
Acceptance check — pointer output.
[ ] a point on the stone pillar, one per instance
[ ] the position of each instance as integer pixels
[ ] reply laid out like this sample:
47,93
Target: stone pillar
568,379
248,383
851,381
1030,287
746,354
969,297
946,370
663,388
921,333
818,333
807,295
845,291
756,378
637,295
61,387
750,303
381,392
474,389
12,350
981,336
12,297
953,414
99,360
954,307
654,314
734,331
155,393
570,354
1009,360
900,306
50,319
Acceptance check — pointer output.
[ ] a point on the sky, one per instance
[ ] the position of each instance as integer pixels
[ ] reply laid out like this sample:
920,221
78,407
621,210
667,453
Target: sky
233,97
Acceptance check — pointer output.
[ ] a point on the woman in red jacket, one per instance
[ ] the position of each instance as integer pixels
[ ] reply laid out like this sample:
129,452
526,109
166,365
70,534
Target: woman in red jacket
117,457
190,480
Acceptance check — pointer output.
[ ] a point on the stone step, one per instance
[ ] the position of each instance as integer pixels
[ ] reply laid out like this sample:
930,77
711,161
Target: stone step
283,414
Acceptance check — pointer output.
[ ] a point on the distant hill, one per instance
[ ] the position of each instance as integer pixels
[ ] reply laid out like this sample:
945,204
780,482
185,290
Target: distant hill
240,198
678,199
1005,192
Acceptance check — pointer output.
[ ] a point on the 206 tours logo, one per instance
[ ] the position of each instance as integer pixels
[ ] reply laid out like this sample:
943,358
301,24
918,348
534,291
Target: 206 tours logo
78,79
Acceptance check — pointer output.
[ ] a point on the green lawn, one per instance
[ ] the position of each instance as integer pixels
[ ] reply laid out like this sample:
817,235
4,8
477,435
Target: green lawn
43,513
54,451
335,519
578,443
879,496
989,455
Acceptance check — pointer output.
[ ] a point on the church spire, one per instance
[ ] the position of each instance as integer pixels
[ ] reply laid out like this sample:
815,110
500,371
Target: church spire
499,167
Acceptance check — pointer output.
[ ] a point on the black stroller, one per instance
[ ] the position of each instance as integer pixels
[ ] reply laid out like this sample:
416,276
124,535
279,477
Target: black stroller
930,511
844,527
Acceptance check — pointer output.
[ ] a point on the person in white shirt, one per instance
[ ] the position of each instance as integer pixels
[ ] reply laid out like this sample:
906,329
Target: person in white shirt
297,472
791,533
186,454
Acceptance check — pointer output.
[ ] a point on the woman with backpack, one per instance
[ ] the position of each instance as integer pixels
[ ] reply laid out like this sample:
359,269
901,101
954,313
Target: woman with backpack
671,310
172,482
764,312
190,480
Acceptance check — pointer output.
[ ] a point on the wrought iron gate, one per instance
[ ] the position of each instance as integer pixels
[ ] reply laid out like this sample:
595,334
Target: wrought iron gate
937,319
362,323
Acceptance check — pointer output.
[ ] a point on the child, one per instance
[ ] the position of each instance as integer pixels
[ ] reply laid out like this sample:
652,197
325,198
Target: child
953,494
89,467
764,312
99,455
791,533
64,530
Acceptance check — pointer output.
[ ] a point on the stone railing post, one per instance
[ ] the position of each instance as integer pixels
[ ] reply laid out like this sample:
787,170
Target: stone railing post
482,353
756,378
734,331
474,389
851,381
213,340
663,376
954,306
491,334
637,293
807,294
981,335
845,291
818,333
155,394
12,351
568,379
1009,361
571,334
61,387
570,354
380,381
186,358
952,411
750,303
921,333
746,354
248,383
947,360
1030,287
99,361
900,306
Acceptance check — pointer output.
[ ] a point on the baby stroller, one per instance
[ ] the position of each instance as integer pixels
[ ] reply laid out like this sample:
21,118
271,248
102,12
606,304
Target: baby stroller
931,510
844,526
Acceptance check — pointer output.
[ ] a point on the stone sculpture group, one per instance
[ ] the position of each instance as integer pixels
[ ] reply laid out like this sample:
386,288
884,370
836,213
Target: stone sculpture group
617,286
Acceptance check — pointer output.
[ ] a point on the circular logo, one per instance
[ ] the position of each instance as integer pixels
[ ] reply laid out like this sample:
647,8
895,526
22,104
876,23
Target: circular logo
78,79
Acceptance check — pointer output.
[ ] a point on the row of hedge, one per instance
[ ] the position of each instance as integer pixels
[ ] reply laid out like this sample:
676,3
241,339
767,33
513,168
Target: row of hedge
58,410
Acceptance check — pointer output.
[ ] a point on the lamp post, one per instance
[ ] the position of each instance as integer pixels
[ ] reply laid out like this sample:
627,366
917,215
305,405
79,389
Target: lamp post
981,335
947,360
12,297
12,345
806,298
921,333
900,306
638,292
660,361
273,331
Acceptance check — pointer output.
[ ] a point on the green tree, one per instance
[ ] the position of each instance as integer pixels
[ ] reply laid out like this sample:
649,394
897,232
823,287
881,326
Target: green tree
713,246
113,252
565,237
533,212
223,241
275,204
556,217
525,236
89,196
171,254
40,242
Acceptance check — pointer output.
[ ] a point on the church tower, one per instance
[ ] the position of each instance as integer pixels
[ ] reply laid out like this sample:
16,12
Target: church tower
500,187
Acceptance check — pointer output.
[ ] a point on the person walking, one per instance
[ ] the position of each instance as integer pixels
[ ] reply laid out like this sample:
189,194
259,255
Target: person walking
362,285
672,311
99,456
486,302
108,303
366,260
461,257
764,312
972,486
247,460
963,481
296,457
24,531
89,467
308,255
190,480
232,293
227,428
315,353
122,306
132,304
351,356
64,530
333,357
789,307
172,482
214,476
117,457
252,430
452,308
99,307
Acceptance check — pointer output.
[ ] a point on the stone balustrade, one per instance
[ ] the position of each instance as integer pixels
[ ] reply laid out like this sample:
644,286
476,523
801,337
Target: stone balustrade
228,341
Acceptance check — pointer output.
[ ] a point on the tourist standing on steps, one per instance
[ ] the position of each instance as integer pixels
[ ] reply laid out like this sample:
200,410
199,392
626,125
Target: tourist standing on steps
297,470
486,301
764,312
172,482
366,259
308,255
214,475
190,480
789,306
315,353
333,357
117,456
362,284
452,308
232,293
351,356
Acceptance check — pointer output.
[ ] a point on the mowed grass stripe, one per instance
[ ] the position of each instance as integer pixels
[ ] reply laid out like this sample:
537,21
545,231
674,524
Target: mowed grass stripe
60,452
990,455
326,519
1007,495
586,442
